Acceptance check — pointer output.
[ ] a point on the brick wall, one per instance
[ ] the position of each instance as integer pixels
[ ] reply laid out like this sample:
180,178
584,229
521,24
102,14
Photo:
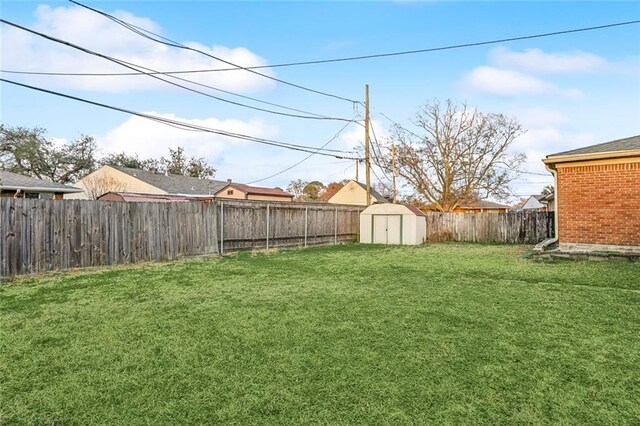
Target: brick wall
599,204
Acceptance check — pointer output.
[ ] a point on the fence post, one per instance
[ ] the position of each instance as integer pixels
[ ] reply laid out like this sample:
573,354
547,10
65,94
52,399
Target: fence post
221,228
267,226
306,209
335,229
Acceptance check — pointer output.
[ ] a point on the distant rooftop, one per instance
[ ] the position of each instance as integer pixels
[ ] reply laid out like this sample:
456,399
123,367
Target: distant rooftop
175,184
374,193
626,144
484,204
141,197
14,181
258,190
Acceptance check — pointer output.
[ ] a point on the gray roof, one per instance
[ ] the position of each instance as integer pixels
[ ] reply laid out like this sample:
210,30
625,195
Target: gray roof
626,144
14,181
483,204
374,193
175,184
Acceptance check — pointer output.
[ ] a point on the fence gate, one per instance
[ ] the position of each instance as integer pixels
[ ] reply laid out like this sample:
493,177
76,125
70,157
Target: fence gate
386,229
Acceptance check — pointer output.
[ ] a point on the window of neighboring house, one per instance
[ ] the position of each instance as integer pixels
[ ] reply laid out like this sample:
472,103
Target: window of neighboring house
32,195
46,196
230,192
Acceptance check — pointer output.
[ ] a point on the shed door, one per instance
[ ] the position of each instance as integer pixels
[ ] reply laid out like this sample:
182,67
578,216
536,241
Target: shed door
387,229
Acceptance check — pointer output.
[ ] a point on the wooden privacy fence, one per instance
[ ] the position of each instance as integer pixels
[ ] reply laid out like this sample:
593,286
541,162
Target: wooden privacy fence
47,235
257,225
526,227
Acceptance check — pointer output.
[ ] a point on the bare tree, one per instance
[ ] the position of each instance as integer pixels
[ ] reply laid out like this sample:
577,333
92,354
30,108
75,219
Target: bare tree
95,186
456,155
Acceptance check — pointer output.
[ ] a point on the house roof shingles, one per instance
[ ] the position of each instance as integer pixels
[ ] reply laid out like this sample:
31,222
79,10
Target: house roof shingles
157,198
626,144
374,193
258,190
14,181
175,184
484,204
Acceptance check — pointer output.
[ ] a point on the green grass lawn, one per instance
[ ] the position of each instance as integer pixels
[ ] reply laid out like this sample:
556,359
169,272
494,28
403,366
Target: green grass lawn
449,333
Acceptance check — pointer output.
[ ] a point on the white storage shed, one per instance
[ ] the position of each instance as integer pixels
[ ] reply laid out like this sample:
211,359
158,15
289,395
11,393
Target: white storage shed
388,223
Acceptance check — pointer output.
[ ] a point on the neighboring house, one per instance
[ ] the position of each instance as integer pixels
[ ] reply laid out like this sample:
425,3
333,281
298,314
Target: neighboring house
123,179
20,186
549,201
239,191
355,193
598,196
481,206
133,197
540,202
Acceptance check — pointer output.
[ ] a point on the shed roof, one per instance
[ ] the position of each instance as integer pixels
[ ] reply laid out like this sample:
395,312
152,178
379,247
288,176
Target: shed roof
14,181
391,208
175,184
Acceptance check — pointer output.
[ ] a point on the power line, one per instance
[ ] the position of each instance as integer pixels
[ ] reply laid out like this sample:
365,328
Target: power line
303,160
193,127
138,68
357,58
168,42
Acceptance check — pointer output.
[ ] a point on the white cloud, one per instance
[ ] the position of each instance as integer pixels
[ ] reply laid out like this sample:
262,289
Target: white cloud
502,82
540,117
151,139
27,52
354,138
537,61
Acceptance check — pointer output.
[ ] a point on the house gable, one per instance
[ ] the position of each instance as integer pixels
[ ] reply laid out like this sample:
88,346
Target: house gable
109,179
355,193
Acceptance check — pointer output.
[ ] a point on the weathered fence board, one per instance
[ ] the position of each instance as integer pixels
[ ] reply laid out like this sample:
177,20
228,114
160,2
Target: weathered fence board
511,228
46,235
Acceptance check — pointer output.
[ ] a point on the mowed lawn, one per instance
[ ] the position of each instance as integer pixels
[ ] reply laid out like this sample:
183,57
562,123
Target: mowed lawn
444,333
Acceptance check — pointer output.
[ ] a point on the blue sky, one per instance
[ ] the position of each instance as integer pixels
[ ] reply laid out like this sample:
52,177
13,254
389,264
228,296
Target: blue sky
568,91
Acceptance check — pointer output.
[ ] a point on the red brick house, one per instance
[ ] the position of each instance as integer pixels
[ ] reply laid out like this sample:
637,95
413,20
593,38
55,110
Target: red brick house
598,196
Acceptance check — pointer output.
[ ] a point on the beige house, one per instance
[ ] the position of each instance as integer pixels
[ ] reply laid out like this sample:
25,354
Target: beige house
388,223
123,179
355,193
237,191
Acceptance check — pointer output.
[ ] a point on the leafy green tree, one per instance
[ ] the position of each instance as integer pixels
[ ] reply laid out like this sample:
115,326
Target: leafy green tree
178,164
29,152
312,190
123,159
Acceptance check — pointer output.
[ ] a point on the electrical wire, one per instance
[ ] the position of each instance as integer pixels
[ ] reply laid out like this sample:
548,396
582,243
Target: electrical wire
301,161
188,126
363,57
138,68
168,42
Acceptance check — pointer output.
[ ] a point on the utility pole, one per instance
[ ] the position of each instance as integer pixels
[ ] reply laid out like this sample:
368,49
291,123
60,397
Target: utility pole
357,167
394,171
367,161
